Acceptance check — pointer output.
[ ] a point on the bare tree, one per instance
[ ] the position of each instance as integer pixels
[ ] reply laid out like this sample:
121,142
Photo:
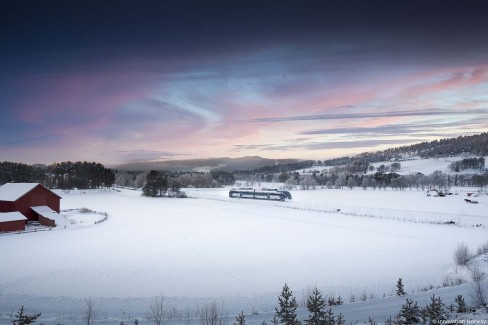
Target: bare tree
212,314
479,294
90,313
462,255
157,312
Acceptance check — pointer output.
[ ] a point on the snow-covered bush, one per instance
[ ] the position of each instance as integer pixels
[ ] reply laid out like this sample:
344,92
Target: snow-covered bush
462,255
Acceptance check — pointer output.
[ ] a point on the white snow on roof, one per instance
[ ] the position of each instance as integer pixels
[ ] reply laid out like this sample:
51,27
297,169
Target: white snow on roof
14,191
11,216
47,212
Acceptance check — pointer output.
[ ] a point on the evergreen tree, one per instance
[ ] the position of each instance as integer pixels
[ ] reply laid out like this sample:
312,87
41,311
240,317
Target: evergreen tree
151,187
331,301
315,306
22,319
340,320
400,291
461,305
156,184
275,320
408,314
240,319
329,318
174,187
288,305
434,311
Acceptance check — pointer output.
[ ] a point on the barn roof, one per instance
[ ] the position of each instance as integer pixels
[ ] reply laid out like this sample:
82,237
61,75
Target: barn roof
14,191
46,212
11,216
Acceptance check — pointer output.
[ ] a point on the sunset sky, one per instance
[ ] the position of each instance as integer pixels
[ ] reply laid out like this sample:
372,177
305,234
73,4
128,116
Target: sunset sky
126,81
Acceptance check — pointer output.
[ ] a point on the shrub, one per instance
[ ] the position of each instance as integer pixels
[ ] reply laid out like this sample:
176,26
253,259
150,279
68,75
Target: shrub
462,255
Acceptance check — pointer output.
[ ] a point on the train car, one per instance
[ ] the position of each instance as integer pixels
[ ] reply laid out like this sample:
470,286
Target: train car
288,194
250,193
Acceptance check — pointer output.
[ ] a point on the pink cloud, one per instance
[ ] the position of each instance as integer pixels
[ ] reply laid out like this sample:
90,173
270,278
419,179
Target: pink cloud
69,104
453,79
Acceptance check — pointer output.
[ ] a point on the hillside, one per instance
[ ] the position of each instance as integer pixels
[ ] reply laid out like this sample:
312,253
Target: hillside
214,164
476,145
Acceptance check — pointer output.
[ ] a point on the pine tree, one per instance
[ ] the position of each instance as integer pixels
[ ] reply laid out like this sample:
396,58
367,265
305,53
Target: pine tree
240,319
408,314
288,305
315,306
461,305
434,312
22,319
329,318
400,291
331,301
156,184
151,188
340,320
275,320
339,301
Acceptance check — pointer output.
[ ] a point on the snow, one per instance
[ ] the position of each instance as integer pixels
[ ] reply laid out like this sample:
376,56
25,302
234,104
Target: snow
428,166
214,247
13,191
411,166
47,212
11,216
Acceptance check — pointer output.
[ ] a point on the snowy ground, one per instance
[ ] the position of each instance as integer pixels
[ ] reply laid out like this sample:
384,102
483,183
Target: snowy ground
211,247
413,165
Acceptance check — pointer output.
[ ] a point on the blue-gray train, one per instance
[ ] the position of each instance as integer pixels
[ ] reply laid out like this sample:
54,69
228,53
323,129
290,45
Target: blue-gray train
262,194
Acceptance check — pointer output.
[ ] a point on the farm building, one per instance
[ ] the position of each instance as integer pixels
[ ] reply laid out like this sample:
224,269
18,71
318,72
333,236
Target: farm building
12,221
32,200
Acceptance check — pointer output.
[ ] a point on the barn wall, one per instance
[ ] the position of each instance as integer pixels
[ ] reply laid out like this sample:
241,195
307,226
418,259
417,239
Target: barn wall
46,221
6,206
39,195
12,225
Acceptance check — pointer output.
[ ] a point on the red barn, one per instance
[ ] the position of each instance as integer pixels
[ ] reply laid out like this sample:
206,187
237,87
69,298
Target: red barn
23,197
12,221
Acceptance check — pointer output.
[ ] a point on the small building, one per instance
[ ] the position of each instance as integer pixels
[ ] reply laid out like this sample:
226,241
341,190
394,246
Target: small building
32,200
12,221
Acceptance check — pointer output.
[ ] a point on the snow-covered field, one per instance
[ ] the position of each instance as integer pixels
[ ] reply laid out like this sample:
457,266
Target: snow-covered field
213,247
413,165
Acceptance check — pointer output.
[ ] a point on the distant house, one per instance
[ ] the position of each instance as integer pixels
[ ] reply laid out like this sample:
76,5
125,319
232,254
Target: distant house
31,200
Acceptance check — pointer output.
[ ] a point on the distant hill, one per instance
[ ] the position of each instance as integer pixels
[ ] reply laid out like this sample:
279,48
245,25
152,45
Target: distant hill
476,145
210,164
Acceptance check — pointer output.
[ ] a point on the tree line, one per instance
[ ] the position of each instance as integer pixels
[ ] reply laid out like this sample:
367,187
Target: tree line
468,163
158,312
63,175
378,180
213,179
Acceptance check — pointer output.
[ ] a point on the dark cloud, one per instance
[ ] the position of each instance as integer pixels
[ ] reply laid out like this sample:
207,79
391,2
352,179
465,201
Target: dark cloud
77,31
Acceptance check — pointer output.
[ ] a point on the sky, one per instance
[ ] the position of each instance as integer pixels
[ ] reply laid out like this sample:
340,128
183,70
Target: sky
128,81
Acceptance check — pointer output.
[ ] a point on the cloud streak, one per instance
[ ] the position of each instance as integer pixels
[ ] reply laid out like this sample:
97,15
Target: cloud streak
371,115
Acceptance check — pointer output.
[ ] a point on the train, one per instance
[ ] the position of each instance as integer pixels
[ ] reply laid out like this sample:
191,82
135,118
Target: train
259,194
